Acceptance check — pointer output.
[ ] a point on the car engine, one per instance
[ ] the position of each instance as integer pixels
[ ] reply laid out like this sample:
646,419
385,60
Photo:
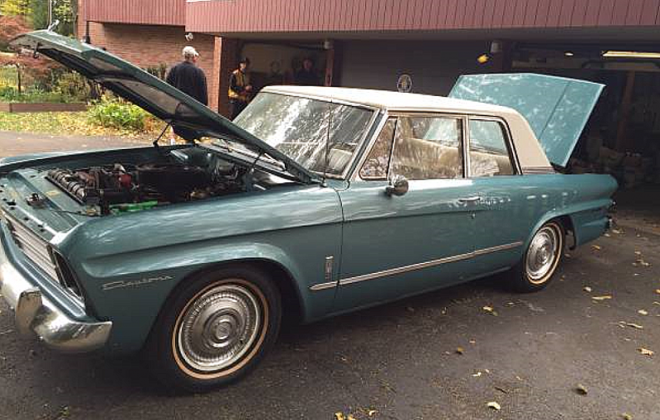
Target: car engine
122,187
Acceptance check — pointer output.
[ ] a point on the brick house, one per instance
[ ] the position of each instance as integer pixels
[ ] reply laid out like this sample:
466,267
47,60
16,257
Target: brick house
373,43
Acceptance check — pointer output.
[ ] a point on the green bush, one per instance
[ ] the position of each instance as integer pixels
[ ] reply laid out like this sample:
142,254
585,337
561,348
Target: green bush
10,94
72,86
116,113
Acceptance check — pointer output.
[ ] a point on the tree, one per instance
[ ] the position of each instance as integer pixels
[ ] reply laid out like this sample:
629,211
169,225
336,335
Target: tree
39,14
38,68
15,8
63,11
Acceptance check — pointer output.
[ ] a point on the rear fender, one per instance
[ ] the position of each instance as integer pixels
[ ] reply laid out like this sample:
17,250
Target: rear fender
588,219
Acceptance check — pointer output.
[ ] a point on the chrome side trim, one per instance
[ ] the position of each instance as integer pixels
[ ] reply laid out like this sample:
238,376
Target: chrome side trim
323,286
537,170
427,264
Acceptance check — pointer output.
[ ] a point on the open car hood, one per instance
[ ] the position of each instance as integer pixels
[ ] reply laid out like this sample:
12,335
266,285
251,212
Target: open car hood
556,108
130,82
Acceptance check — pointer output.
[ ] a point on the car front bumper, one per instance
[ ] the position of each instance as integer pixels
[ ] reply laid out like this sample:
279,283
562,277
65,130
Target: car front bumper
36,314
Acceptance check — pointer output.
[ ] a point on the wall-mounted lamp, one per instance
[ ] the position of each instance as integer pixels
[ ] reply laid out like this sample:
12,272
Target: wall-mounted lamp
483,59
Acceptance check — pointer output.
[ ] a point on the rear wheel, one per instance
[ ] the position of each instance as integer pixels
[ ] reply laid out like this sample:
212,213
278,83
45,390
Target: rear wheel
215,330
541,259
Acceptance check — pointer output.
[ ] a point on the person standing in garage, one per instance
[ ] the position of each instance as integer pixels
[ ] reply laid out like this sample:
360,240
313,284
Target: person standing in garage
306,76
240,89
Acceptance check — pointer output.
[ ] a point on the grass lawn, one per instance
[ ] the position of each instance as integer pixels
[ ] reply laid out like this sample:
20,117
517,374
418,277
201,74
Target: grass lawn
58,123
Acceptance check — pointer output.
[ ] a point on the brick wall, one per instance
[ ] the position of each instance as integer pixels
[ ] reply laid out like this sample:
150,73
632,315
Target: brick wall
151,45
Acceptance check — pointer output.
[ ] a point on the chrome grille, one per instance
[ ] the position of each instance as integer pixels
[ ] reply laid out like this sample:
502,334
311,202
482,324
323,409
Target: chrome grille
34,248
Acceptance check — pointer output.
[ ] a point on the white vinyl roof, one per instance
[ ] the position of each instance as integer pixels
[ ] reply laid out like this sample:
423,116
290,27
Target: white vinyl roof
391,100
530,154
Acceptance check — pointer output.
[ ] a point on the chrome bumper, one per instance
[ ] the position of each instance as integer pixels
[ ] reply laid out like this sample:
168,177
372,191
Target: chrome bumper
35,314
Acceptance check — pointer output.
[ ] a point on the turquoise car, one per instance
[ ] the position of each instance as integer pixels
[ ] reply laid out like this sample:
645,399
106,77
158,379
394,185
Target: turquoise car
314,202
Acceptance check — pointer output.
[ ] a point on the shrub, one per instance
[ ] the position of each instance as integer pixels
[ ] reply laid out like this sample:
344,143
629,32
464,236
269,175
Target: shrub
72,86
11,94
116,113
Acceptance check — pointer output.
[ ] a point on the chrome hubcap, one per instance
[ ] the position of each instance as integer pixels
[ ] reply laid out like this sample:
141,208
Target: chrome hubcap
542,254
219,327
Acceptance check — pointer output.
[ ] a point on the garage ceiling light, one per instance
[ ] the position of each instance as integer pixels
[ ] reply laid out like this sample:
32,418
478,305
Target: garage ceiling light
569,54
632,54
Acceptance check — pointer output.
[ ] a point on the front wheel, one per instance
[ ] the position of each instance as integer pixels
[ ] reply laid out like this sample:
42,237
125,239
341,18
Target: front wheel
214,330
541,259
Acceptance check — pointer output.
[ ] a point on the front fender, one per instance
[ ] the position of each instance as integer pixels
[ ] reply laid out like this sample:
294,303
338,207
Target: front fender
133,296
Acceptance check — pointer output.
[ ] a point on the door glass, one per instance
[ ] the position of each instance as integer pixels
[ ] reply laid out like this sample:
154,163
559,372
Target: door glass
489,154
378,160
428,148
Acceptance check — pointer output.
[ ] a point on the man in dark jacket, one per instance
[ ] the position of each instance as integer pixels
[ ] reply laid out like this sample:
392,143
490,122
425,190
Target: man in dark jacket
189,78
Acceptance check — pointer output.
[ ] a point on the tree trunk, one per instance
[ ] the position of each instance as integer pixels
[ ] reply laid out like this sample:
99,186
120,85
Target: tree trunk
18,77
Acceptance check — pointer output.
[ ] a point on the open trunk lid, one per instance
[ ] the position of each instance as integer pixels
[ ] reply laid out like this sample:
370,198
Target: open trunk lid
556,108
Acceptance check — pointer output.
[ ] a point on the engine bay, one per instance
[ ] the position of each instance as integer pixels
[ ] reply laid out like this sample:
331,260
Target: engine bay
128,187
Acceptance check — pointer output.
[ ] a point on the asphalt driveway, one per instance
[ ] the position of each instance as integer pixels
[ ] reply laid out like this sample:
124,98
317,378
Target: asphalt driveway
443,355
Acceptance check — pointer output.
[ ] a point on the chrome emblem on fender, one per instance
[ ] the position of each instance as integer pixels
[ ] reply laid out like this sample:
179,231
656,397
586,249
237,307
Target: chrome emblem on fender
135,283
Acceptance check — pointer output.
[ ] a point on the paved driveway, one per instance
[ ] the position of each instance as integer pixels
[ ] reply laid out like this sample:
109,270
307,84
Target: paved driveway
400,360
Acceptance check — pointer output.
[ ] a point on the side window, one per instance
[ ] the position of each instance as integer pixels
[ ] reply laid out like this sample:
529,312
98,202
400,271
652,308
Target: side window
428,148
489,154
378,160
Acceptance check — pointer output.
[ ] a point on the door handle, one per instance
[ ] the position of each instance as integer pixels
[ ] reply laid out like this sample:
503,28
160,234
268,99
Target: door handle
468,200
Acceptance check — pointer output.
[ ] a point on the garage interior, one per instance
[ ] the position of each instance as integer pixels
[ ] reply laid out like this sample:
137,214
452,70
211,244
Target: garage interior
622,137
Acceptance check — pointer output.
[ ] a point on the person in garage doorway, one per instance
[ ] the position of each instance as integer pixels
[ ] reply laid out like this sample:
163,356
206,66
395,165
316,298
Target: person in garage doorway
240,89
190,79
306,76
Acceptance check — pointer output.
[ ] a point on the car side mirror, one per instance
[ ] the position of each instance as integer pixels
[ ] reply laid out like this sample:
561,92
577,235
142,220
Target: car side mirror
398,186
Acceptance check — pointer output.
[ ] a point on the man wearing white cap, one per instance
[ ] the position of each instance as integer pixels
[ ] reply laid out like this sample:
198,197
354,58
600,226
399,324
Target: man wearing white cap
189,78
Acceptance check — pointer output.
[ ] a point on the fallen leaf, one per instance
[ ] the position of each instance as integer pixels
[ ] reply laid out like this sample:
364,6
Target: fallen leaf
642,312
490,310
473,341
476,375
502,390
350,417
587,289
494,405
645,352
596,247
607,235
581,389
617,231
339,416
633,325
626,416
601,298
657,291
460,350
371,413
638,252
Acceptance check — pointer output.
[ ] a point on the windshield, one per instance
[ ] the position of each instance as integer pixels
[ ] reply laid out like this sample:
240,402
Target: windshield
309,131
